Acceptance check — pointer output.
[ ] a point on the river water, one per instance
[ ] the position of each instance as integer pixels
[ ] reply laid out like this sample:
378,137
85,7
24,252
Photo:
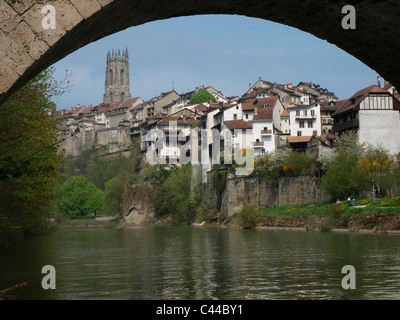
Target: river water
203,263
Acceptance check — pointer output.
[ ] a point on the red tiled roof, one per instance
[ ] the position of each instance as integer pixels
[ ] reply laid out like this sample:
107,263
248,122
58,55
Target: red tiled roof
201,107
353,102
334,105
387,86
250,104
285,113
178,119
371,89
292,139
238,124
129,102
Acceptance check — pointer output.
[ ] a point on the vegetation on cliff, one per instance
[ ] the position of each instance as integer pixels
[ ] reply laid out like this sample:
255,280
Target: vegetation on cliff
178,195
29,161
110,179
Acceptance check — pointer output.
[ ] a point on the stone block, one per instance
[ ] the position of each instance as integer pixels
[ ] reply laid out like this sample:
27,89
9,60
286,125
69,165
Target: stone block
7,77
14,55
20,6
33,17
104,2
34,46
86,8
67,14
9,18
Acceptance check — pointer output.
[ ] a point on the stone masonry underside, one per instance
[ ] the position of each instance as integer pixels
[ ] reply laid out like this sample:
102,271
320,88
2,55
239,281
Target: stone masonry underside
26,48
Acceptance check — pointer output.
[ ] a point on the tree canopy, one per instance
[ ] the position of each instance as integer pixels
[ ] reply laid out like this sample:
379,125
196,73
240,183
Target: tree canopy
79,196
202,96
28,158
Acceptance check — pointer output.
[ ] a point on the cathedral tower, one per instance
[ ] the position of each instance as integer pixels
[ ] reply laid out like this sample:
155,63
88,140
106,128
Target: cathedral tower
117,77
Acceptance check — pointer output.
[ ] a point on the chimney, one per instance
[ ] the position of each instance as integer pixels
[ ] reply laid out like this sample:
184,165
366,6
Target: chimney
379,81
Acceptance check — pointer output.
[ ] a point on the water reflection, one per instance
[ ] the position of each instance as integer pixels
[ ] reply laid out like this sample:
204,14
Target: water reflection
203,263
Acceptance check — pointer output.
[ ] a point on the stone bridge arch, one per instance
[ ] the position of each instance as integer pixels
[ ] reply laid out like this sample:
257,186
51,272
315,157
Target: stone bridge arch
26,48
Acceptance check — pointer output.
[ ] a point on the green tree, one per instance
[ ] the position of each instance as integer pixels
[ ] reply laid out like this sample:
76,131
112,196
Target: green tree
113,195
348,143
174,197
79,196
28,157
202,96
344,177
96,170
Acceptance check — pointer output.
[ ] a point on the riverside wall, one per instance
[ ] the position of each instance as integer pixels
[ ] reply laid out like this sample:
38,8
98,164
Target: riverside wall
274,192
105,142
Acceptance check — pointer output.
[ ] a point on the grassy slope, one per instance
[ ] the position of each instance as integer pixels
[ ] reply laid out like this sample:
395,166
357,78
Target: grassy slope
380,215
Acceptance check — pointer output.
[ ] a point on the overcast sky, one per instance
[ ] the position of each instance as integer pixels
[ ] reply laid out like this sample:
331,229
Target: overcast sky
226,52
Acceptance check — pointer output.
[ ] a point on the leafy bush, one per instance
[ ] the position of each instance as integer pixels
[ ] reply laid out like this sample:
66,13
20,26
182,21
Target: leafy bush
344,177
250,215
173,196
112,196
219,179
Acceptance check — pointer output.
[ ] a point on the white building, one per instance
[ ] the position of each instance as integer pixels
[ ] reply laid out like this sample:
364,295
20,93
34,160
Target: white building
305,120
374,114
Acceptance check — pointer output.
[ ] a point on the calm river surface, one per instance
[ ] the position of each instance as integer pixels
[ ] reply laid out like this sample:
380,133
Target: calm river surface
203,263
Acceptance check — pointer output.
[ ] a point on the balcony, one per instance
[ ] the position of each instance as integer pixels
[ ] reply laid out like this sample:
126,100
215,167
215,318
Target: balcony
266,132
305,118
259,144
352,124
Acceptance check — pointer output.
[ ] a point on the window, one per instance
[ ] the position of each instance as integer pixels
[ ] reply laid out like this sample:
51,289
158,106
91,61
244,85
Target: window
235,116
310,124
247,115
305,112
237,107
299,133
315,133
313,113
297,113
301,124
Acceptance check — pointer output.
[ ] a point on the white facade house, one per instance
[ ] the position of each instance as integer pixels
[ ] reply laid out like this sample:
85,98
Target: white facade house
241,134
374,114
305,120
263,135
233,113
267,124
285,122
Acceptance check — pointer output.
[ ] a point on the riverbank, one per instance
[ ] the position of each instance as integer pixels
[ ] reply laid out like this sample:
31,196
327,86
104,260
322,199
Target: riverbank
381,215
365,222
105,222
355,223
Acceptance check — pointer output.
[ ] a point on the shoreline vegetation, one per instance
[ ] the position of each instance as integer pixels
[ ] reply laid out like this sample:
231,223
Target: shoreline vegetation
366,216
379,216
